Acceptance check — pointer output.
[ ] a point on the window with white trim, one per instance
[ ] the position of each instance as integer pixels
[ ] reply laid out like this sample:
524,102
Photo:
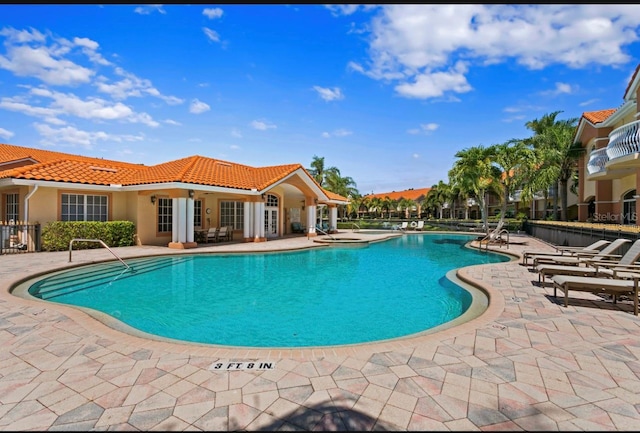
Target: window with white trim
232,214
11,211
84,207
165,215
197,213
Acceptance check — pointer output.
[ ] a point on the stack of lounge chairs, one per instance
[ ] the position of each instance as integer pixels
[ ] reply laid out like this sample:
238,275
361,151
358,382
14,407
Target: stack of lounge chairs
591,270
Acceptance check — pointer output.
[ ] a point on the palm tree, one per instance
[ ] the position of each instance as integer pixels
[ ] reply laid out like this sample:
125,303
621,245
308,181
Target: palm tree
512,159
345,186
474,171
556,155
318,170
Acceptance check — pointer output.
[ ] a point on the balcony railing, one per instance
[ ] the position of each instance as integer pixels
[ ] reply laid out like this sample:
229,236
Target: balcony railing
597,160
624,140
517,196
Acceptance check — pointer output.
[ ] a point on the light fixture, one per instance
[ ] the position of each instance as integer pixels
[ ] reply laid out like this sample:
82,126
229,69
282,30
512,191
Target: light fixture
262,195
191,193
153,199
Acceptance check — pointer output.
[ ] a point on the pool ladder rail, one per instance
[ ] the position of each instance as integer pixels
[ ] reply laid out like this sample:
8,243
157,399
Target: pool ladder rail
101,242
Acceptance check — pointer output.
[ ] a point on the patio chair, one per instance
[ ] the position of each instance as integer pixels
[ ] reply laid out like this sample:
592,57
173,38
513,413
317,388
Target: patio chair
212,234
607,253
223,234
297,227
561,251
595,267
403,226
420,225
596,285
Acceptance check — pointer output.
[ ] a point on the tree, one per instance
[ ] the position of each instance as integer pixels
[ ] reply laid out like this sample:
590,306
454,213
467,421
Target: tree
512,159
556,155
318,170
474,171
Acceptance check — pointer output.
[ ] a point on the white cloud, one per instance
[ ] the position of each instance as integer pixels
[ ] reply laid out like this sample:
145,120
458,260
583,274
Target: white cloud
6,133
424,127
236,133
337,133
172,122
72,135
212,13
211,34
589,102
39,61
328,94
262,125
132,86
63,104
198,107
560,88
415,156
418,45
234,147
147,9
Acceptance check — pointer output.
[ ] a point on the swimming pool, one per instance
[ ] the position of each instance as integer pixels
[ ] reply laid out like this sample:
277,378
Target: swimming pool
318,297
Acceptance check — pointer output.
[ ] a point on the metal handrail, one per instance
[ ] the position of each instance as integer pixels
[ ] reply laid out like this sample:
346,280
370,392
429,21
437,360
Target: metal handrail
100,241
318,229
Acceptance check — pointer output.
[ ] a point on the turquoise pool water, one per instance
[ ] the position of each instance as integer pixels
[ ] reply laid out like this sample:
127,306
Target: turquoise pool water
317,297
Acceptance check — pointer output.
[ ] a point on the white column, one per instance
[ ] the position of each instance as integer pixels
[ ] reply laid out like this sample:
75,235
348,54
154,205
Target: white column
189,221
181,217
247,220
257,219
333,218
174,220
261,221
311,219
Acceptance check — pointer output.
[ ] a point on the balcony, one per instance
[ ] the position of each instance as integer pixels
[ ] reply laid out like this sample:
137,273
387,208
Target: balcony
517,196
624,146
597,161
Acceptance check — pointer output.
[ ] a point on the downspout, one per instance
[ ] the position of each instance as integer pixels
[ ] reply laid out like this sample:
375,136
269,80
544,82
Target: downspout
26,203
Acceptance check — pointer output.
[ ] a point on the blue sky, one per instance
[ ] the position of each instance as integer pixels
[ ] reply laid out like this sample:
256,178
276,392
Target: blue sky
387,94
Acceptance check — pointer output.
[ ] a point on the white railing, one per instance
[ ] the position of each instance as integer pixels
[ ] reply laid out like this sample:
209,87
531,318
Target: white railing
597,160
624,140
517,196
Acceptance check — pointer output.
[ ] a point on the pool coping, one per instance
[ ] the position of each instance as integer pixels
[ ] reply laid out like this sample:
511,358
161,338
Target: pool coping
495,305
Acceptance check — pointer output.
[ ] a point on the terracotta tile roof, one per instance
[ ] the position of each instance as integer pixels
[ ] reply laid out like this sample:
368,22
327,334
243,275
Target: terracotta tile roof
334,196
411,194
200,170
598,116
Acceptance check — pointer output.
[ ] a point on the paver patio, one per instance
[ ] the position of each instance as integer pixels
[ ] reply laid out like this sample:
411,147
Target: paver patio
527,363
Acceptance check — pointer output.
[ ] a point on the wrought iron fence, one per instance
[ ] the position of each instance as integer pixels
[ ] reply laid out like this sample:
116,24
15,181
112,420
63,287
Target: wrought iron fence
19,237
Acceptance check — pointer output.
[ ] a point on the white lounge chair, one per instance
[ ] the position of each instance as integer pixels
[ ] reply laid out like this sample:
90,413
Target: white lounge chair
403,226
223,233
420,225
607,253
561,251
596,267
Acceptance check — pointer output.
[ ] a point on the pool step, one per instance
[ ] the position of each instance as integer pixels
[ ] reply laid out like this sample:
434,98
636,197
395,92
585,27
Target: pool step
82,279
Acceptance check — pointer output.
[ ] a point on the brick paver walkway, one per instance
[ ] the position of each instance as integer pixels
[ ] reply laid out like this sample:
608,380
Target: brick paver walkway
528,363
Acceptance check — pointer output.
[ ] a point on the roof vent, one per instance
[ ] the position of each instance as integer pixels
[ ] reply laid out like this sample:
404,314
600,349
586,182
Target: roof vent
224,164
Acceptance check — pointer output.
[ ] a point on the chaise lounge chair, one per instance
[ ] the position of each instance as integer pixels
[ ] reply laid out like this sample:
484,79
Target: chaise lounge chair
403,226
420,225
607,253
296,227
595,266
609,286
561,251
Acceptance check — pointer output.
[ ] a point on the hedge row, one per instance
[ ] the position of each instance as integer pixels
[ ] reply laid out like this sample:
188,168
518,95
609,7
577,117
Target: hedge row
56,235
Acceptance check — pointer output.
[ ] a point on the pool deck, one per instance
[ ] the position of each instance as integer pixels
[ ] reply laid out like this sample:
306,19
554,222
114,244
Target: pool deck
528,363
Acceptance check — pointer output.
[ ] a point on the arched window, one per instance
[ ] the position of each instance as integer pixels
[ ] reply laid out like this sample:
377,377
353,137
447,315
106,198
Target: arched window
272,200
629,208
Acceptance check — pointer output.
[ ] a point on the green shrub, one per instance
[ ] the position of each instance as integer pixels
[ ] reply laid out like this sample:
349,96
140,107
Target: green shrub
56,235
